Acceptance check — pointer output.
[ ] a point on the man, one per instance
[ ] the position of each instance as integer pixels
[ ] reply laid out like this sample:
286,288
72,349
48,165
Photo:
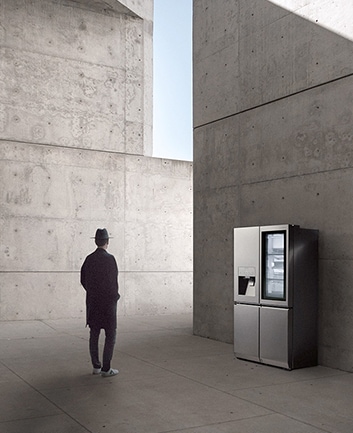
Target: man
99,277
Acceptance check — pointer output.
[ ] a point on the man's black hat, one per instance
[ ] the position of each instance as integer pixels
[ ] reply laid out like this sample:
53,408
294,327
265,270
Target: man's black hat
101,234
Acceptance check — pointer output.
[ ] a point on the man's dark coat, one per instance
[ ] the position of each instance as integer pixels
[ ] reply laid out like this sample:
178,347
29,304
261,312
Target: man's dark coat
99,277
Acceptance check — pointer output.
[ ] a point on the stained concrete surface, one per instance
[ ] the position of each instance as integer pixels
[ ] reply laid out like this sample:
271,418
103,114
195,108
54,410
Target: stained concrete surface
76,77
75,139
62,196
169,381
273,145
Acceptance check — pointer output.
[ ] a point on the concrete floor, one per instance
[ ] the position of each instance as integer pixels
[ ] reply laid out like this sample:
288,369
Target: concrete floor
169,381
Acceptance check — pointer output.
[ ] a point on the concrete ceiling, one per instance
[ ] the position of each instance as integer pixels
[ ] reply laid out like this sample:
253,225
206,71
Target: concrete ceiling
110,7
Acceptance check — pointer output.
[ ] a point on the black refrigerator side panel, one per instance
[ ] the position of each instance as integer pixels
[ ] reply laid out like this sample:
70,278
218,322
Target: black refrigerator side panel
305,298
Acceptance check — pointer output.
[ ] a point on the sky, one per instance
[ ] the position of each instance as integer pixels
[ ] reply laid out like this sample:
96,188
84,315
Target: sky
172,79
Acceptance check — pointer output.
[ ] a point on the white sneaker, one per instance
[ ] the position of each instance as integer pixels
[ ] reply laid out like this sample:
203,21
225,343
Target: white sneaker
110,372
96,371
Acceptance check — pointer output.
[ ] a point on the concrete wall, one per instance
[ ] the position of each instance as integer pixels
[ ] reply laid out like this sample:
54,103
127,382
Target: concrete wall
273,144
76,76
75,140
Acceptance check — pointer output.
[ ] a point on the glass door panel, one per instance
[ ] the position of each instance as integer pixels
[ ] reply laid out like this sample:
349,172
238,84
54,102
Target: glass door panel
274,269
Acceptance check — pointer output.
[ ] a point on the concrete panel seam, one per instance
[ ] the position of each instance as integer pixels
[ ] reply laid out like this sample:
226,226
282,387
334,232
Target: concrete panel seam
317,86
53,56
40,272
60,146
274,179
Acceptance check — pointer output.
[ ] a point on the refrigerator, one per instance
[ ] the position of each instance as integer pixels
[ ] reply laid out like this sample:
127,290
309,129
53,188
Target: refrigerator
276,295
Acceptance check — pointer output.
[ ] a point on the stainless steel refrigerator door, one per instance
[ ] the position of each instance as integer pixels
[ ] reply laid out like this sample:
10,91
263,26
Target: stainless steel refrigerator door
246,332
275,336
246,265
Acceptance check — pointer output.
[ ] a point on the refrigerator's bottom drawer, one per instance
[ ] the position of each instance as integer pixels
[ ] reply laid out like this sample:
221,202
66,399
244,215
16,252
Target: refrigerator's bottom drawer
274,336
246,331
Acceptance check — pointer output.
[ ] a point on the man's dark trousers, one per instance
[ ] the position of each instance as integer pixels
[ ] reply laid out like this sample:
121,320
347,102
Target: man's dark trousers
110,337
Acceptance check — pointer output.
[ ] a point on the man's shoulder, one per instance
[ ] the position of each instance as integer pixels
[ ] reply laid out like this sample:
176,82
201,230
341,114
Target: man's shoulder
91,255
104,253
99,254
110,255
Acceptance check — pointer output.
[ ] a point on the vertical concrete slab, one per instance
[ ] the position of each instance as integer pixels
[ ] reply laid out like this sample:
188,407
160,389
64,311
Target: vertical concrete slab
288,158
75,110
158,204
72,78
216,213
158,237
260,52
